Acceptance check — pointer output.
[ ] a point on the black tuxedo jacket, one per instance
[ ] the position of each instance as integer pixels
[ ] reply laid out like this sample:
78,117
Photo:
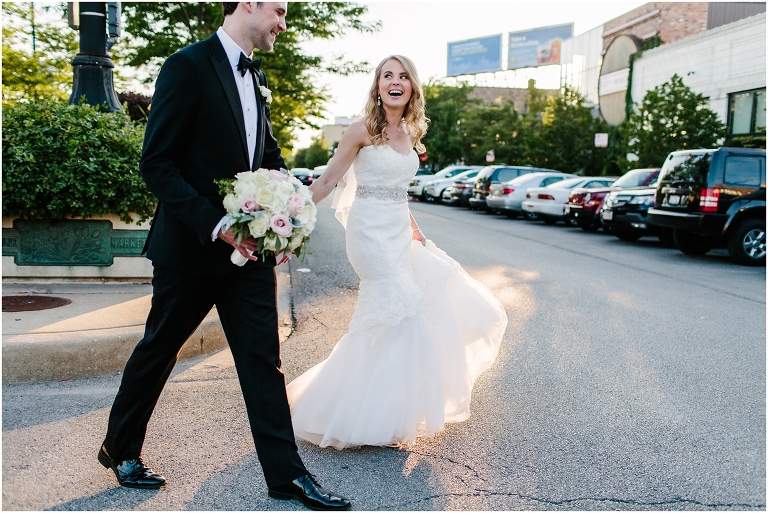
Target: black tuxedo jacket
195,134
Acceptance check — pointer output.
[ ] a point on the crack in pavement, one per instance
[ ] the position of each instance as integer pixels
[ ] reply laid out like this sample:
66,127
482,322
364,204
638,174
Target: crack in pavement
446,458
490,493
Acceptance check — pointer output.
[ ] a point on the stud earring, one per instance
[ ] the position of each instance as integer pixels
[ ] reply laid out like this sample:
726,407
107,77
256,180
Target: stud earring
378,102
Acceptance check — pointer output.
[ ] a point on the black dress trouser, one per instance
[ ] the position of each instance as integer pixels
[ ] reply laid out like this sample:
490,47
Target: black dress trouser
247,306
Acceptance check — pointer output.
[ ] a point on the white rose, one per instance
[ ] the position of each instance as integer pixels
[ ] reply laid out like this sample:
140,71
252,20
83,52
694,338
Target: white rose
270,242
258,226
286,189
295,241
231,204
267,198
245,189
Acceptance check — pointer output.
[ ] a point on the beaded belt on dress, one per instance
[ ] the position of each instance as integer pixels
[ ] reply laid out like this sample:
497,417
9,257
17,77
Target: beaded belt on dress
381,192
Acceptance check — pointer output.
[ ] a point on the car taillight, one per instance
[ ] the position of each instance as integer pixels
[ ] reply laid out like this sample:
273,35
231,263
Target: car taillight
546,196
709,200
464,186
528,195
507,190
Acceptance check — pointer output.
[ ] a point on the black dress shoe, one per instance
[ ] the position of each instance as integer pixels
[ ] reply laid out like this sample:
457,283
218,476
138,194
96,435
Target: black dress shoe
131,473
309,492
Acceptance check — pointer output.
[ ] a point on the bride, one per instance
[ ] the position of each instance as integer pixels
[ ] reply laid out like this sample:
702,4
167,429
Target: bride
422,329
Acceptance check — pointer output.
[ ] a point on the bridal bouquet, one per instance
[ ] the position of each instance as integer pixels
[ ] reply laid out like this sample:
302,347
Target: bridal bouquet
271,206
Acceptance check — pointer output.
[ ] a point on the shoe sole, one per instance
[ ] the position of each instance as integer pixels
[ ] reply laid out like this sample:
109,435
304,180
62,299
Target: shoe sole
107,464
288,497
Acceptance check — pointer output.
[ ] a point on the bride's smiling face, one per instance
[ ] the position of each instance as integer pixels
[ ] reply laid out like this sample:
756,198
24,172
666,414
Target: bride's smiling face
394,85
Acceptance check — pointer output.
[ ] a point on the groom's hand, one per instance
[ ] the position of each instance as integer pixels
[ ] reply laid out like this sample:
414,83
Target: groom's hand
284,259
247,244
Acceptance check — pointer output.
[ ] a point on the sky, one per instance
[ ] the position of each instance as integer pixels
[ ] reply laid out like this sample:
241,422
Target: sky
422,30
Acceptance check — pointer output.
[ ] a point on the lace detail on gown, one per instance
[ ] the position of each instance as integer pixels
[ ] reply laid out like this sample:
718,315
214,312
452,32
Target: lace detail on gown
421,333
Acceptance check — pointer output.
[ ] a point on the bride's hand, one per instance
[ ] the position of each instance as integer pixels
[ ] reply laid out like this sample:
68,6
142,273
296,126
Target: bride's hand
419,236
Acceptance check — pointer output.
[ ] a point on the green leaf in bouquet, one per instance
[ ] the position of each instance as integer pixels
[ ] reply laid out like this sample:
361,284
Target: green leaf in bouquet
225,186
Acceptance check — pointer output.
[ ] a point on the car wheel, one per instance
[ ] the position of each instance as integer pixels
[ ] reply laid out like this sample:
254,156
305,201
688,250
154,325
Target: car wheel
747,244
589,227
490,210
666,237
569,221
627,235
529,216
690,243
549,220
511,214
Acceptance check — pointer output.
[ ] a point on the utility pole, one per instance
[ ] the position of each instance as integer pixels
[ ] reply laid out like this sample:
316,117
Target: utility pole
93,66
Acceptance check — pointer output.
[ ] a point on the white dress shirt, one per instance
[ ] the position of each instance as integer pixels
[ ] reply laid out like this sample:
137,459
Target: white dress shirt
245,85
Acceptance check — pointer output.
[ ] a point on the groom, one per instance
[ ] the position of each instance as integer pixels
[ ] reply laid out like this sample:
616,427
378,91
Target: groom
210,121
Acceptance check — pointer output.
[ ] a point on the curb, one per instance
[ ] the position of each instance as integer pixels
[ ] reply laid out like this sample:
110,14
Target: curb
80,353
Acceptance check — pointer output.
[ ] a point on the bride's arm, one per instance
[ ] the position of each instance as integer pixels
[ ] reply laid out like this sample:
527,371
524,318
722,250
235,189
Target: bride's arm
417,234
353,139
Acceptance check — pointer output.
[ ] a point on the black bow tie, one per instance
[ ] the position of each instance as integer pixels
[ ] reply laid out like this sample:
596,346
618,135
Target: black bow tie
245,64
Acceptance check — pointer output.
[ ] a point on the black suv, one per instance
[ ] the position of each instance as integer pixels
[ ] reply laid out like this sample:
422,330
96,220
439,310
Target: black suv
496,174
714,198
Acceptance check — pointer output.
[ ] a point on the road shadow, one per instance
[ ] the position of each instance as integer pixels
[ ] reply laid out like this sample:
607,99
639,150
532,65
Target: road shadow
373,478
126,498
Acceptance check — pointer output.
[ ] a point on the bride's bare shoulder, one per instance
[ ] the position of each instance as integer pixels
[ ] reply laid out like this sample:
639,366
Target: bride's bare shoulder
357,133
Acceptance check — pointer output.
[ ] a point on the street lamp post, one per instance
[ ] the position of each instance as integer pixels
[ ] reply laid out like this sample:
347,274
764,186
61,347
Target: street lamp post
92,66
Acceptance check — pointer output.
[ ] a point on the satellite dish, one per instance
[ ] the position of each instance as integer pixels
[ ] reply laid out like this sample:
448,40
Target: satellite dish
614,78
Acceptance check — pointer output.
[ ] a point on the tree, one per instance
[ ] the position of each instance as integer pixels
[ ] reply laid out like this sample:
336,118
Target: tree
155,30
38,48
671,117
493,126
445,107
317,154
565,138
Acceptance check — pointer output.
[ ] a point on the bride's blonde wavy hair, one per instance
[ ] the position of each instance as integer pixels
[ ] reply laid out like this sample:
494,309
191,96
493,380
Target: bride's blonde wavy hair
413,115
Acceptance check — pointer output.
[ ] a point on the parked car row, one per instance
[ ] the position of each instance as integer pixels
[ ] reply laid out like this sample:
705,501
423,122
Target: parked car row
698,200
306,175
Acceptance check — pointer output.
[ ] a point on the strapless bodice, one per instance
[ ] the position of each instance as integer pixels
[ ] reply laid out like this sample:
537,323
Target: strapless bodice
381,168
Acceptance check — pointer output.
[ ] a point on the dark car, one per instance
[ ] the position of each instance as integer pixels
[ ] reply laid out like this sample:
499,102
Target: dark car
625,214
584,205
306,176
460,192
495,174
714,198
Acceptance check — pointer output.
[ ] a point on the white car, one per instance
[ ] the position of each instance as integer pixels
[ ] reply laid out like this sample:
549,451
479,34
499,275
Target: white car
416,187
508,197
318,171
548,203
434,189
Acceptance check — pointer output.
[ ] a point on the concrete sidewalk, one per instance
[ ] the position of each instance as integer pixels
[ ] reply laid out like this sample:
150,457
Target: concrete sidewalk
96,333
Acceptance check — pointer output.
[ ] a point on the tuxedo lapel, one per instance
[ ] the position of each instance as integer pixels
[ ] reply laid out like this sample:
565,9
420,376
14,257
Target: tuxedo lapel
224,71
262,122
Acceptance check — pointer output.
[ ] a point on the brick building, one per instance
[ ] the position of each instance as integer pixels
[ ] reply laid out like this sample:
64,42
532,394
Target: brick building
671,21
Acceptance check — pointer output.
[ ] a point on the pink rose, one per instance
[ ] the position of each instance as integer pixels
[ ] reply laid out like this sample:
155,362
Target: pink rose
250,205
295,205
281,225
277,175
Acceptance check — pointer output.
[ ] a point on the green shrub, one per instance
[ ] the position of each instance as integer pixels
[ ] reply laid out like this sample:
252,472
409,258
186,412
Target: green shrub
62,161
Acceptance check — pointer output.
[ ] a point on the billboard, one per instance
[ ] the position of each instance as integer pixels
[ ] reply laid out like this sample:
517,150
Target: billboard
478,55
537,47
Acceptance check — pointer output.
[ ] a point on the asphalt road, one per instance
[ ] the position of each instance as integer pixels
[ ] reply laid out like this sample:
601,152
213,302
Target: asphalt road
630,377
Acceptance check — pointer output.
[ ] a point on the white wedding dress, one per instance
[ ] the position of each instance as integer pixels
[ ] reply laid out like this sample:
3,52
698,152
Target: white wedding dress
422,329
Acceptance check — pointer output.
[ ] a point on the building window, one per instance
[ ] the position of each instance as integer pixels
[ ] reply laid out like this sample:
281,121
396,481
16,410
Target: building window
746,112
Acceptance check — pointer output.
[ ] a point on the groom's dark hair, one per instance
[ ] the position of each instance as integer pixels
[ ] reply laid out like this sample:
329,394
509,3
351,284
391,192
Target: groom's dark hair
229,7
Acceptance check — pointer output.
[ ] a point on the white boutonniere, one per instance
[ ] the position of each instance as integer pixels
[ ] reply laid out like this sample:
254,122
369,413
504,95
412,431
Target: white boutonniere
265,93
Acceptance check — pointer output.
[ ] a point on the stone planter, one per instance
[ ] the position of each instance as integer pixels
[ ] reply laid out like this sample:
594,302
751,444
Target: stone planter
99,248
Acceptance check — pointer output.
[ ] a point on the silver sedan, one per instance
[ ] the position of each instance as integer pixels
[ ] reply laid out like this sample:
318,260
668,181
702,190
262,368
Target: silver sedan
508,197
